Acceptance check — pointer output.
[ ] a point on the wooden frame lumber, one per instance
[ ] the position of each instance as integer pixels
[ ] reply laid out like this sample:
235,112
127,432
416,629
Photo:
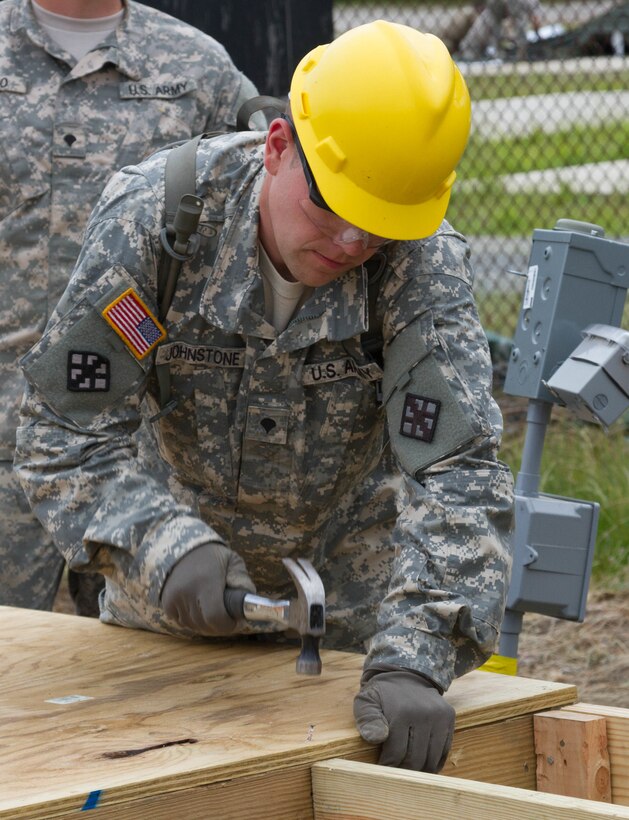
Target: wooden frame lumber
144,726
501,753
617,722
346,790
572,757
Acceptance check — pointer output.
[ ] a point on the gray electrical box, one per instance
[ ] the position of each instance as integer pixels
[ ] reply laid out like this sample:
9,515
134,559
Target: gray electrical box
576,286
594,381
575,278
554,548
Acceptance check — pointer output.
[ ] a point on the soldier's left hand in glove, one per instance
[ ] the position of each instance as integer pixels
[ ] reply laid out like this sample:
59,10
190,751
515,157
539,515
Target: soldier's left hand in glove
406,713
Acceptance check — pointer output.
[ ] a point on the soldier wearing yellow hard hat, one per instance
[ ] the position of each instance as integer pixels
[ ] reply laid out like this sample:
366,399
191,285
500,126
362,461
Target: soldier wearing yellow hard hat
329,389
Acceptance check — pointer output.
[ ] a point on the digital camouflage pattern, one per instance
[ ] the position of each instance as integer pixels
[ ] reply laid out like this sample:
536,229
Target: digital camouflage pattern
279,442
67,127
488,26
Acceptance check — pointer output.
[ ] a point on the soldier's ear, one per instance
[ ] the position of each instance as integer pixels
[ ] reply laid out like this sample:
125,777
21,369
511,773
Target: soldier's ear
278,139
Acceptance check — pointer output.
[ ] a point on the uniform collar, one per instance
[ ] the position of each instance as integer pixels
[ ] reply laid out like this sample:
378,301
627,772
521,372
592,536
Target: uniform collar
335,312
123,48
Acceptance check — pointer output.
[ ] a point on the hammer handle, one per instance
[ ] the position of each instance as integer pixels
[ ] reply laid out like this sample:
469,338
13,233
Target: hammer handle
242,604
234,601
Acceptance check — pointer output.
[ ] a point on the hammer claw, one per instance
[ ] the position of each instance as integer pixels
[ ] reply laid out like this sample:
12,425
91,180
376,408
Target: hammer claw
305,576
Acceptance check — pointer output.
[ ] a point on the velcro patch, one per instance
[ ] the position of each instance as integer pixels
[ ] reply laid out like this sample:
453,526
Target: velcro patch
88,372
419,417
134,323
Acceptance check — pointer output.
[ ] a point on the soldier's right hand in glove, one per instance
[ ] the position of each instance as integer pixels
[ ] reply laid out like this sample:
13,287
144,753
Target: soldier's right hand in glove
193,594
407,714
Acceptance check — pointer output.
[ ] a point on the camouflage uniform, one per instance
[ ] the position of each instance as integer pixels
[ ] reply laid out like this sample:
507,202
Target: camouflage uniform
279,442
67,127
486,30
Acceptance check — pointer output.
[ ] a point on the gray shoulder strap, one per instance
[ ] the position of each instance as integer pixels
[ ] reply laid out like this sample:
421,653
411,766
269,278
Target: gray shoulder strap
180,175
261,103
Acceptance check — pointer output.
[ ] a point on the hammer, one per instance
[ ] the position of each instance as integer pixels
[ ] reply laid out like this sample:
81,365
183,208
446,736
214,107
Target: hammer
305,614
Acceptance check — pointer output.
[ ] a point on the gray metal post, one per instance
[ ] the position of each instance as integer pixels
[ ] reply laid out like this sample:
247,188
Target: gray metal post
527,483
537,418
510,633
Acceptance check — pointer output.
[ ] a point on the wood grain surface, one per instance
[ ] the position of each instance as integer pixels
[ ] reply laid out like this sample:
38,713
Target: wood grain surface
133,724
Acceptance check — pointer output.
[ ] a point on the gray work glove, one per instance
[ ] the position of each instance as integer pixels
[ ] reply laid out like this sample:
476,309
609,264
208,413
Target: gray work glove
407,714
193,594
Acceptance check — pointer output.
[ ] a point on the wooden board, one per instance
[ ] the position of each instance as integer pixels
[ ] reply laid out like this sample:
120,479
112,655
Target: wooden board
617,722
169,727
502,753
572,756
346,790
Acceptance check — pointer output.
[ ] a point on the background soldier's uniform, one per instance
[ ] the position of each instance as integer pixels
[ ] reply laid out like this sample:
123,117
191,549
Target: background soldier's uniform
67,127
277,439
487,29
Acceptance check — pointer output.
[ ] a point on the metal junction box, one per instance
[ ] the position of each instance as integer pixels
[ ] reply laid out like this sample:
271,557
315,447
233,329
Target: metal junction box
555,539
574,279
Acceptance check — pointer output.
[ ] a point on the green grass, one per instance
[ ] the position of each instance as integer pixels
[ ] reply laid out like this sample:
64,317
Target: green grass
492,303
488,209
484,212
492,87
582,461
485,159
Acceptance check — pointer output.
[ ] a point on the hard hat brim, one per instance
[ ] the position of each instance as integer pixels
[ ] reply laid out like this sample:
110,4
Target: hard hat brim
374,215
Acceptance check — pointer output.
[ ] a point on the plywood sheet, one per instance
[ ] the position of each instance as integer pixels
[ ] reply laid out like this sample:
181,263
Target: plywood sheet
98,716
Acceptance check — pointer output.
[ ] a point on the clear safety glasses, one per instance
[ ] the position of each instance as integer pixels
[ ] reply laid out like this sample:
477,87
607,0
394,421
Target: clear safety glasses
322,217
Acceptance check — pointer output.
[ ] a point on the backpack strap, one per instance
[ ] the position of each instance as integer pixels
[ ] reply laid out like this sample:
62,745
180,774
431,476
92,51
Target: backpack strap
372,340
255,104
179,240
183,211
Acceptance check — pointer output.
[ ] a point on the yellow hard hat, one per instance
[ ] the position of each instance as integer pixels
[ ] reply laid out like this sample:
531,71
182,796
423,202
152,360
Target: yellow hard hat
383,116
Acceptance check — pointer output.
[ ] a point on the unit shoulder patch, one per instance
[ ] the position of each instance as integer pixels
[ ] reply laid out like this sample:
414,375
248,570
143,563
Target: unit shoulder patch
419,417
138,328
88,372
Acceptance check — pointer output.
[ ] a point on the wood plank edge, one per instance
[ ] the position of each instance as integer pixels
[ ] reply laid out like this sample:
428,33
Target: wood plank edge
126,794
342,789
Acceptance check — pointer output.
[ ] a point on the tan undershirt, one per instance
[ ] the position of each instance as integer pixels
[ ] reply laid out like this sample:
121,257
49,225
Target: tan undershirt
281,298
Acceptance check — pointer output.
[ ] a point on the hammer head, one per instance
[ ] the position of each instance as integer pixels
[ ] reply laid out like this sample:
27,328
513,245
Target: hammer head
307,613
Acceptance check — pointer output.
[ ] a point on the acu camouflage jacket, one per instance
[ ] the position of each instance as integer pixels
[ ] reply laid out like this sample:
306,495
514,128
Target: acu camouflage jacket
66,128
270,432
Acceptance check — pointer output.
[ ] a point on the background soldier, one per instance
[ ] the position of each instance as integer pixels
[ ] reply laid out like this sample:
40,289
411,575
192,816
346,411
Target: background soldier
484,36
277,427
86,86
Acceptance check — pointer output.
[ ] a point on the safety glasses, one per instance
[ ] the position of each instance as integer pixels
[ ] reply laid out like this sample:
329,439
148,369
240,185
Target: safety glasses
313,191
322,216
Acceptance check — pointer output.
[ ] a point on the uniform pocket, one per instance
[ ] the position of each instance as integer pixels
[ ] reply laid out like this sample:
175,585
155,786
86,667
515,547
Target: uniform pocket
343,441
197,435
25,168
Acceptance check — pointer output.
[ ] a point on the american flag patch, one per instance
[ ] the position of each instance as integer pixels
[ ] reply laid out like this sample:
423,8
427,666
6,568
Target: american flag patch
134,323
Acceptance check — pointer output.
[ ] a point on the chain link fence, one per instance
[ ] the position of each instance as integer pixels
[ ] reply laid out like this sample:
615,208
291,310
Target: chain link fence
550,126
550,89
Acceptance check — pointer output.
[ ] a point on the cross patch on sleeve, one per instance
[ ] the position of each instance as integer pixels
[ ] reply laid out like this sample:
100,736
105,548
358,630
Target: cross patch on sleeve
419,417
88,372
